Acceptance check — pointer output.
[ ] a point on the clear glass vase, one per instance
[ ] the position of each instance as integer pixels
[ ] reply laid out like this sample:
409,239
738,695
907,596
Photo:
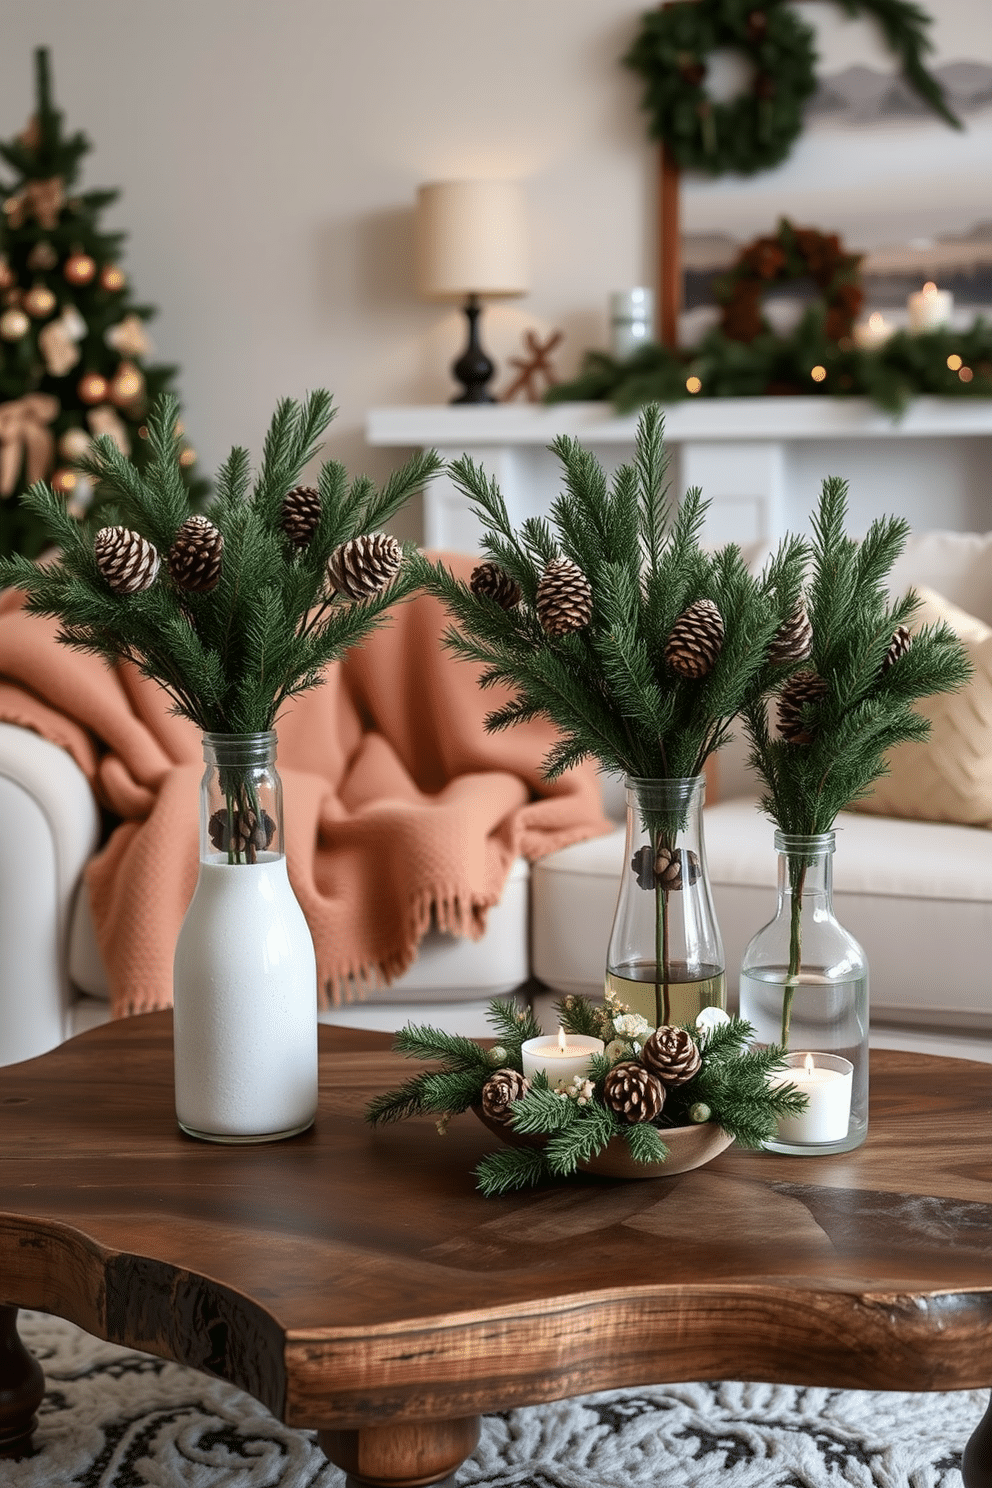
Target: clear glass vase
245,976
804,984
665,956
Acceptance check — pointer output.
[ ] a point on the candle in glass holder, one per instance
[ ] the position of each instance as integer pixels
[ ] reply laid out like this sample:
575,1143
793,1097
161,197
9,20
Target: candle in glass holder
560,1058
929,308
826,1080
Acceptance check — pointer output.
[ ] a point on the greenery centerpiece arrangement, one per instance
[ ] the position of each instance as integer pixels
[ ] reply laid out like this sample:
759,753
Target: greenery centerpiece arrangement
645,1084
232,613
616,623
819,748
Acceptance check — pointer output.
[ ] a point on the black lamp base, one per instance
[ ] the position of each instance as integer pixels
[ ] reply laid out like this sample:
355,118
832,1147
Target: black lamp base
473,368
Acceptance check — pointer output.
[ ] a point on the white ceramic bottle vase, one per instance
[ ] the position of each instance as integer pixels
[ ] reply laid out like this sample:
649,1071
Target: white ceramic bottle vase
245,977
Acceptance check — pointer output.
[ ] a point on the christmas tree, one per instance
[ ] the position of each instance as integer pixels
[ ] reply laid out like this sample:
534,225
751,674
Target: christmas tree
73,344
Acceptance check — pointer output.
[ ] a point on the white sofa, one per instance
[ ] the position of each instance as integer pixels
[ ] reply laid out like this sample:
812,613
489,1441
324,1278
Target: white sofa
917,895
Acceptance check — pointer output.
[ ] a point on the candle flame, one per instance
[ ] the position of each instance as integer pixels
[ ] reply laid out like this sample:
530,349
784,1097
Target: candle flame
808,1064
561,1039
876,321
929,288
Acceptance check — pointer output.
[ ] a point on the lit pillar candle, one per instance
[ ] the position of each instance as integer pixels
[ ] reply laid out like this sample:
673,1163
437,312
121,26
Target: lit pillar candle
826,1080
873,332
560,1059
929,308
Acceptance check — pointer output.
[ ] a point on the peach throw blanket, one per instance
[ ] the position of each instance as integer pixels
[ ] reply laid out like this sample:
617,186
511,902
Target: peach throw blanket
399,807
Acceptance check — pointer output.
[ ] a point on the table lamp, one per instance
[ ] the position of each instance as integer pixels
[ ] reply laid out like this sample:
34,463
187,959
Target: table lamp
471,245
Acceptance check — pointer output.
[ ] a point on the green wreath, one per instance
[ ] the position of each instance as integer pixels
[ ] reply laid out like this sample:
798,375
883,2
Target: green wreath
758,129
792,253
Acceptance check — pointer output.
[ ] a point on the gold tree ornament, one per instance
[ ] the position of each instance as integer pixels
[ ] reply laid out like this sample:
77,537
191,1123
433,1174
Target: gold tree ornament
39,301
79,269
112,278
696,640
194,560
7,276
300,514
365,565
801,693
127,385
564,598
492,582
14,324
128,562
92,387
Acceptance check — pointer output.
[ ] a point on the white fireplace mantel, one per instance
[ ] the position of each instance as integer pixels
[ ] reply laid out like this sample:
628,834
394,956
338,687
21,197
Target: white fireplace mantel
759,461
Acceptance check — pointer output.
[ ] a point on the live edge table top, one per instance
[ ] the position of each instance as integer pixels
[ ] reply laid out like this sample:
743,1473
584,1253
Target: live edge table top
354,1275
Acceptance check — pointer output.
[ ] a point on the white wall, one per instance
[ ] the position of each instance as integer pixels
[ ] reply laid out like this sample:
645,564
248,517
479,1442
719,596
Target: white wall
269,154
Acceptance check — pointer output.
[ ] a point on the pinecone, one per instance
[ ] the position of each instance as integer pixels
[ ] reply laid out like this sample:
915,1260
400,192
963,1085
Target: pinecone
503,1087
564,598
696,640
793,641
801,690
671,866
300,514
493,582
899,645
240,831
194,558
363,566
633,1092
127,561
672,1055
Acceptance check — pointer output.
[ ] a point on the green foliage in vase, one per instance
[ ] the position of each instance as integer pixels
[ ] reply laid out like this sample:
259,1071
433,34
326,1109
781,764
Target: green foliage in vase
259,619
569,1124
867,702
606,680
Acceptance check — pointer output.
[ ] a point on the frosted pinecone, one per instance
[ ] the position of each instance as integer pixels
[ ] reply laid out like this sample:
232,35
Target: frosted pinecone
793,641
799,694
501,1090
696,640
493,582
127,561
300,514
633,1092
672,1055
195,556
564,598
363,566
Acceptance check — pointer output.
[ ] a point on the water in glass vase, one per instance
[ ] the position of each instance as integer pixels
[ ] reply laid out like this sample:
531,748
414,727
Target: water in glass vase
690,989
828,1015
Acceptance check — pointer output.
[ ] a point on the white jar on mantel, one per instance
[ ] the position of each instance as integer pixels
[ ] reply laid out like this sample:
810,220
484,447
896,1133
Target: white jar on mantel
245,975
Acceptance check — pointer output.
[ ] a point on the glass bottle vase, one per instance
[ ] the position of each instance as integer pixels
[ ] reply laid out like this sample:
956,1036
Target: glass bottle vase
804,984
665,957
244,976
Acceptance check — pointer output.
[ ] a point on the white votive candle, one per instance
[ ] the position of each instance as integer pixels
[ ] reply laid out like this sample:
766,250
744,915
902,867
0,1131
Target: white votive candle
826,1080
929,308
873,332
560,1058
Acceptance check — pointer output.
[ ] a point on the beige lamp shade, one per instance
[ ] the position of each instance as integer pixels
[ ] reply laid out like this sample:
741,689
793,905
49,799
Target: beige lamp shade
471,239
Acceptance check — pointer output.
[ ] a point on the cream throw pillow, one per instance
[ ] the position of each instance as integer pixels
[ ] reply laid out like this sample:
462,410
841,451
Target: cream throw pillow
949,777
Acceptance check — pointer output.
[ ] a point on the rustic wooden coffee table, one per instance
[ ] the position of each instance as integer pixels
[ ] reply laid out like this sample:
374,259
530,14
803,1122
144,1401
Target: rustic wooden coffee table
354,1281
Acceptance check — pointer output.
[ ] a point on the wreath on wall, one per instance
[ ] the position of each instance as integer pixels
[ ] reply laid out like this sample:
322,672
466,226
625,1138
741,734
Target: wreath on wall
792,254
756,130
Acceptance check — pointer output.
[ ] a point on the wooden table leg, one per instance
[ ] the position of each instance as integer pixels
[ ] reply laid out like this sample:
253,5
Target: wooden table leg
976,1467
22,1388
402,1456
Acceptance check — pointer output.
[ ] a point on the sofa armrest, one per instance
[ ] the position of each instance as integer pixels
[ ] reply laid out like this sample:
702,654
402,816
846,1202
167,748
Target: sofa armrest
52,826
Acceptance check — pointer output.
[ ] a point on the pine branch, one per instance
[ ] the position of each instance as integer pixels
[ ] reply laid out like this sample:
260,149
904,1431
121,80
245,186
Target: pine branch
645,1143
424,1042
581,1139
509,1169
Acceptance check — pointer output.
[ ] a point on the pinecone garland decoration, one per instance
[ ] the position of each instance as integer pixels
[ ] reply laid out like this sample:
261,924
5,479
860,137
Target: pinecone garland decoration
363,566
901,641
503,1087
300,514
240,831
195,556
127,561
793,641
672,1055
696,640
799,693
492,582
564,598
633,1092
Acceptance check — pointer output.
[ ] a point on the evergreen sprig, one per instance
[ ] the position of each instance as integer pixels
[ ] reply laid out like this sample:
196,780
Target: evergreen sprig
231,657
608,686
555,1130
868,708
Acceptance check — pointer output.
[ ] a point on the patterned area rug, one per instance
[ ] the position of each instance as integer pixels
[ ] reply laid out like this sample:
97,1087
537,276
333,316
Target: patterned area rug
113,1418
